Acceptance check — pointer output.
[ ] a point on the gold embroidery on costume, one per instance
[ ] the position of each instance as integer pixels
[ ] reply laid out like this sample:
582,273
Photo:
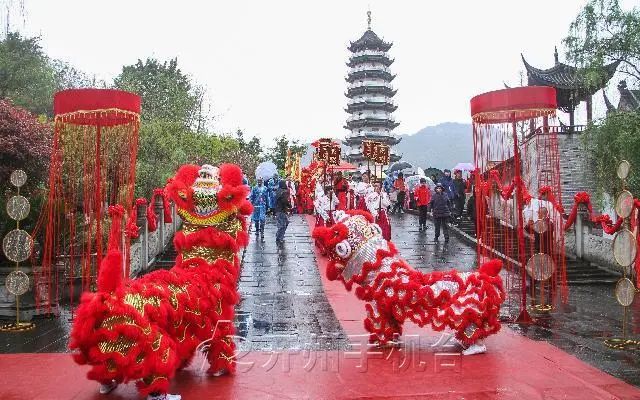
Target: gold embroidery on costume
121,345
137,301
114,320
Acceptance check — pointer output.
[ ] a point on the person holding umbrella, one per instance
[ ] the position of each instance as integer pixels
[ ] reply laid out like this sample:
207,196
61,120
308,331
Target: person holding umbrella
459,194
401,188
259,198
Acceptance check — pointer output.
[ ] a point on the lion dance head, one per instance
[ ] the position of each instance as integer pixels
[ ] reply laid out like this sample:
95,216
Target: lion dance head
349,242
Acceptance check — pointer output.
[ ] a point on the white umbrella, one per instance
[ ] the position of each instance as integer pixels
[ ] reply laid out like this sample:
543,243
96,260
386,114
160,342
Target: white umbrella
266,170
464,167
414,180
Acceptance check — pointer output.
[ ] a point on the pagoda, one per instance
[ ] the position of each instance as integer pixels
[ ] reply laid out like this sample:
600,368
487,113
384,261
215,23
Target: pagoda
370,95
571,90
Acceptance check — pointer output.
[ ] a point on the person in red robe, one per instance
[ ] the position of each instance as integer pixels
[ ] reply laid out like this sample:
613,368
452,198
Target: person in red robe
340,188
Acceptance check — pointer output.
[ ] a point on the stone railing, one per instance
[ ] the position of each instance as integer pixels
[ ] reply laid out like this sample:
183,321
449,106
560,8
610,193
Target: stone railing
149,245
588,243
143,252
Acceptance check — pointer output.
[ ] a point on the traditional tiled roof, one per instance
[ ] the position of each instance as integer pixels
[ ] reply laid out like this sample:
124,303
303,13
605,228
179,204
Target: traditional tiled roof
562,76
629,98
571,90
370,41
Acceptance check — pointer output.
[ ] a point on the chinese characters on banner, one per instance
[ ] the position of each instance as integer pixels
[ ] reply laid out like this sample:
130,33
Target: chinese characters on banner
329,152
376,151
381,154
367,148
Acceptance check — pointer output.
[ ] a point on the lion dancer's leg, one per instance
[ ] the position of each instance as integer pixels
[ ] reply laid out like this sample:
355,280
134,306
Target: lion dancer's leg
381,324
473,311
221,354
465,303
158,364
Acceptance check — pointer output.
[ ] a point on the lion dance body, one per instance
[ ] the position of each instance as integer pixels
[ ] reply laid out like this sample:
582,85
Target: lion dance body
145,329
468,303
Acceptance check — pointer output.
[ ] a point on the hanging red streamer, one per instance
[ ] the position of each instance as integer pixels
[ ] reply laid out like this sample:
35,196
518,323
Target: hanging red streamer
604,220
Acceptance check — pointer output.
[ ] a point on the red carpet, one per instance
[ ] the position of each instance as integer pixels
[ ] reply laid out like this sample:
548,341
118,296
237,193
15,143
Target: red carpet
514,368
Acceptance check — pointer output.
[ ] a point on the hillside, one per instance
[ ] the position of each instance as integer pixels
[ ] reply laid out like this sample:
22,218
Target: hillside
441,146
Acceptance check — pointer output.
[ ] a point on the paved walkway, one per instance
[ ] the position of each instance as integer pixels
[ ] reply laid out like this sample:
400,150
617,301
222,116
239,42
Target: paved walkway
301,341
580,328
283,305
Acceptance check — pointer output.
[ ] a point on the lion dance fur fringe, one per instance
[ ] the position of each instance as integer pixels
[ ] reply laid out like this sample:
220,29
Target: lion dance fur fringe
145,329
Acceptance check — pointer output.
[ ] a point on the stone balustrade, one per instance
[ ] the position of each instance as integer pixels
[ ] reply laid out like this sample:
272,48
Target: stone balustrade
588,243
149,245
143,252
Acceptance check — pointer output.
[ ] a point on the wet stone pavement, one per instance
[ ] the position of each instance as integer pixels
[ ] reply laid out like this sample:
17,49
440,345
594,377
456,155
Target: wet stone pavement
579,328
283,305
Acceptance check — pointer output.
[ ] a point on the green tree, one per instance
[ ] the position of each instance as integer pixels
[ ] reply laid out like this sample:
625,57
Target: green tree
26,74
25,143
247,154
616,138
67,76
30,78
167,93
603,33
281,145
164,146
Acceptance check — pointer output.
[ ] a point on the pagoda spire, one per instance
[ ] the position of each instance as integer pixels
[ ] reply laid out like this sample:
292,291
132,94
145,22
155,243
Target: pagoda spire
369,19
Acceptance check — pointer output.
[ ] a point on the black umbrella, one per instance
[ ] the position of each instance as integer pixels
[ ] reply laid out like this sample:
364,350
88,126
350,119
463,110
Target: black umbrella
399,166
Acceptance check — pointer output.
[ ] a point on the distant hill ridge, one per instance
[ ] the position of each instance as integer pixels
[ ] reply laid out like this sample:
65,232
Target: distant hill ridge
440,146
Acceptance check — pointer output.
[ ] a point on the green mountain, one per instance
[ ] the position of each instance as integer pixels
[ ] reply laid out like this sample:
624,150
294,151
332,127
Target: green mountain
441,146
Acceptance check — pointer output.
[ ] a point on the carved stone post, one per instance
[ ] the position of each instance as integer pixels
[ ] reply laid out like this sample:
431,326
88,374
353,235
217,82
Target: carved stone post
144,236
174,216
159,209
580,230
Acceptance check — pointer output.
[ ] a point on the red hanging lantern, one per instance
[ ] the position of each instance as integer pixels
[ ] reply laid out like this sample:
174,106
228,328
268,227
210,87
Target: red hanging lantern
93,163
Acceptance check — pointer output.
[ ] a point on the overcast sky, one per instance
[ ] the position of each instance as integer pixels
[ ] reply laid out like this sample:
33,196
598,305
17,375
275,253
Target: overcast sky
278,67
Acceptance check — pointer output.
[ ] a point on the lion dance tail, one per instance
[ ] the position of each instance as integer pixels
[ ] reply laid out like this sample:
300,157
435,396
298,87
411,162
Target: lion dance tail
112,339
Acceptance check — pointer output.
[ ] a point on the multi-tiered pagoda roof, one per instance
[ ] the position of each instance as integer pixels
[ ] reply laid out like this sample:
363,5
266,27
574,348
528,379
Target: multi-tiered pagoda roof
371,96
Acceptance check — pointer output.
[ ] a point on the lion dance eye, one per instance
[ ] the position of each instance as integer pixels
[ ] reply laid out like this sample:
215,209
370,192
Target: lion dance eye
182,195
377,229
343,249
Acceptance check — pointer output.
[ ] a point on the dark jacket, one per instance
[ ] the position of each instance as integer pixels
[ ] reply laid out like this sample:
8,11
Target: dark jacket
449,187
460,187
282,198
440,205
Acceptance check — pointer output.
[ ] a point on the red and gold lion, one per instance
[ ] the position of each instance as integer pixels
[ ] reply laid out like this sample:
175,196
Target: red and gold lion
145,329
468,303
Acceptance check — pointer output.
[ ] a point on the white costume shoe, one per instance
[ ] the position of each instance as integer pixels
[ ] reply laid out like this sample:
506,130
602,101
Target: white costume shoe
220,372
476,348
107,388
165,396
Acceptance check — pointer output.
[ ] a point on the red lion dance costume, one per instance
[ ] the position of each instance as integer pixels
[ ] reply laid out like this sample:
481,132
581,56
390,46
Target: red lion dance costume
145,329
467,303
